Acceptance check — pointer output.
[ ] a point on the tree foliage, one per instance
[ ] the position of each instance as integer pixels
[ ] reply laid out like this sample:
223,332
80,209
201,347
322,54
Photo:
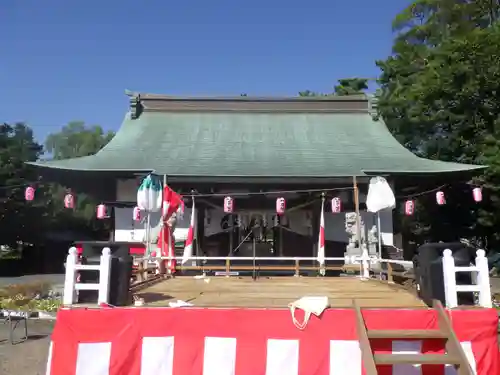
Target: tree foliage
346,86
19,222
75,140
439,96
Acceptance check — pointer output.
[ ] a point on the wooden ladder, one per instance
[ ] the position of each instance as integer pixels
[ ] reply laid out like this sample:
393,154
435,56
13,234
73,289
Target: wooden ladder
454,353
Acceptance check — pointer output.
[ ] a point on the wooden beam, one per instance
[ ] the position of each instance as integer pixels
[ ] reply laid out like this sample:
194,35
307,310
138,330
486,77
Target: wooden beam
356,207
364,342
453,346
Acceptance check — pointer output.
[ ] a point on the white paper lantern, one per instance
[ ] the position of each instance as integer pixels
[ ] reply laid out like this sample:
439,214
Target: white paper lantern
69,201
477,194
336,205
280,206
29,193
409,207
228,205
440,198
150,194
101,211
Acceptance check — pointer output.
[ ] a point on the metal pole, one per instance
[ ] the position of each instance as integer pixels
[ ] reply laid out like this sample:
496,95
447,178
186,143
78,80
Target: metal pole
364,250
148,232
254,275
162,229
379,232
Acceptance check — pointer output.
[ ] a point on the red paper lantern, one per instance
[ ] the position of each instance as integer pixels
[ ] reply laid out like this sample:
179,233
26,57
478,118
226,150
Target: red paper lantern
280,206
477,194
336,205
228,205
69,201
101,211
409,207
136,214
29,193
440,199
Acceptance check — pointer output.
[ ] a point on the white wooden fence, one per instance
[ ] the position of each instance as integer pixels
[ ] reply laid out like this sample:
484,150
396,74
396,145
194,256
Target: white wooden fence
480,279
71,285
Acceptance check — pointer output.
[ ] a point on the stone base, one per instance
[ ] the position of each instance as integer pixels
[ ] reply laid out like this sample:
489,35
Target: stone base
357,252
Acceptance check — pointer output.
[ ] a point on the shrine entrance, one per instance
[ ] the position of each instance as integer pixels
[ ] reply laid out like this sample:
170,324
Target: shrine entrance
253,234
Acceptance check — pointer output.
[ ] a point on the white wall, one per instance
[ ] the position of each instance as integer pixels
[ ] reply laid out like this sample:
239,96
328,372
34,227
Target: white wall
126,229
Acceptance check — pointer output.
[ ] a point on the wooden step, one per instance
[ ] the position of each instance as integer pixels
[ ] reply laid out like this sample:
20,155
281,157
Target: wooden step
416,359
407,334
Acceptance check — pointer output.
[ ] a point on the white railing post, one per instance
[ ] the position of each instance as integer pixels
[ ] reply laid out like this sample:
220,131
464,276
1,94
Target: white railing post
70,277
365,258
449,279
104,276
483,279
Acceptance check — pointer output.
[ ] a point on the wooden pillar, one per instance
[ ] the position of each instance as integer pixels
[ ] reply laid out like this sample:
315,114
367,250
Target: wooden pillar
316,208
230,223
356,207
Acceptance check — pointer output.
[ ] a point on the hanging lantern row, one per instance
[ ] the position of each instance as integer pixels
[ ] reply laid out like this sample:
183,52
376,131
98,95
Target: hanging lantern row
477,195
280,205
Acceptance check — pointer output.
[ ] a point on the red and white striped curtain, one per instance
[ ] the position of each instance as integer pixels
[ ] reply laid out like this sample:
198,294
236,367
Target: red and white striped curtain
321,237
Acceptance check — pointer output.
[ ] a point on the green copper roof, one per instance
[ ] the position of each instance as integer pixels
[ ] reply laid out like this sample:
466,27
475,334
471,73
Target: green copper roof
246,142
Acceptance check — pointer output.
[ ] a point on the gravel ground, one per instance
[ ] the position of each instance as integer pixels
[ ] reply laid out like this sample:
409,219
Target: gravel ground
29,357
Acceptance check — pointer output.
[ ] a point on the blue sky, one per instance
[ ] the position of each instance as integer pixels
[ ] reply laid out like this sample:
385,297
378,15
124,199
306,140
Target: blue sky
68,60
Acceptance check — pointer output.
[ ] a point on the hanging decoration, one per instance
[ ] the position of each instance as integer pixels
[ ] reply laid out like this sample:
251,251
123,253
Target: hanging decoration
69,201
380,195
477,194
440,198
150,195
101,211
336,205
321,237
136,214
29,193
188,247
409,207
280,206
228,205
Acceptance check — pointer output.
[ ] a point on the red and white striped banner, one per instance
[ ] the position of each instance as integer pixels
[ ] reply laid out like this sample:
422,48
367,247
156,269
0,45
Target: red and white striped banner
193,341
188,248
321,236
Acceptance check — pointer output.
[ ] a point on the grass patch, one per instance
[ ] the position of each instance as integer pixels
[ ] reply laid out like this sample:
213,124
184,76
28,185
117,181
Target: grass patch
28,290
36,296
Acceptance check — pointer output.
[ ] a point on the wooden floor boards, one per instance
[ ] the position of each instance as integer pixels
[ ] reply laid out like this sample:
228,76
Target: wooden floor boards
277,292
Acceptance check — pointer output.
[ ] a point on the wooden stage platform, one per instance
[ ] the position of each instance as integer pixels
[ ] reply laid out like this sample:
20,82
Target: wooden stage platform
278,292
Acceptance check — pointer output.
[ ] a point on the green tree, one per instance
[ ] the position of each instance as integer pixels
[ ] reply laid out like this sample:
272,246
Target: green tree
351,86
21,222
76,140
438,95
346,86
